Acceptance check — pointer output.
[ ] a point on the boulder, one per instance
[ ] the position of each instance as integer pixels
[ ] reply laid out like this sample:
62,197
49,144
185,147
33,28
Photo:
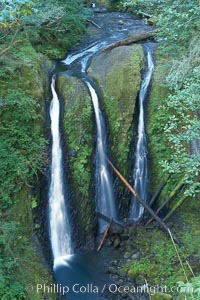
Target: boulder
79,127
118,74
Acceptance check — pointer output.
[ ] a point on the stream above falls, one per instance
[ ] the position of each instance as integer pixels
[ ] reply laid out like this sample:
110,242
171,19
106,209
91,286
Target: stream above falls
88,269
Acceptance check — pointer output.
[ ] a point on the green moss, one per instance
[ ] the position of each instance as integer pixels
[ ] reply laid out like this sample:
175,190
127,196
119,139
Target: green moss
161,296
23,83
158,147
158,262
79,130
27,269
118,73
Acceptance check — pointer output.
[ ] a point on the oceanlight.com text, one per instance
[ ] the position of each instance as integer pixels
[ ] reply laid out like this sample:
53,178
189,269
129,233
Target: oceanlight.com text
111,288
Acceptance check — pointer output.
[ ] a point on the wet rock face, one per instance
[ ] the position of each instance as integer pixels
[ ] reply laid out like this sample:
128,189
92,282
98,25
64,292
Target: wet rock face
78,134
118,74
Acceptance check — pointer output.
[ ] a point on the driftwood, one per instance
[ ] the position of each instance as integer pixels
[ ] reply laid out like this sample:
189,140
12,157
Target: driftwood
146,206
104,236
133,39
93,23
158,191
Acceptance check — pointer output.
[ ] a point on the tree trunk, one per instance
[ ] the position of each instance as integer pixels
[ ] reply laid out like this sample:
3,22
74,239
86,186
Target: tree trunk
133,39
158,191
158,210
172,194
180,201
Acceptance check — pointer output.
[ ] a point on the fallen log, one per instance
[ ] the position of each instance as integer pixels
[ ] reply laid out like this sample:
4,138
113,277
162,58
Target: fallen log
181,200
104,236
158,210
158,191
133,39
178,187
146,206
171,195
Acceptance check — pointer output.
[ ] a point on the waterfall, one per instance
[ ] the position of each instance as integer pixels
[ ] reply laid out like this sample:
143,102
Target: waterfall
104,185
60,231
105,200
140,174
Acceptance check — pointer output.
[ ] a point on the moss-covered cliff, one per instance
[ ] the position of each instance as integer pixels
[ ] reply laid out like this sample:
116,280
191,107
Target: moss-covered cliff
118,74
158,147
23,149
78,125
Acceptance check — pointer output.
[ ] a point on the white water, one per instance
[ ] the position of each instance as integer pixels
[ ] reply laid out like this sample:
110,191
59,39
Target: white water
140,174
104,186
60,232
86,53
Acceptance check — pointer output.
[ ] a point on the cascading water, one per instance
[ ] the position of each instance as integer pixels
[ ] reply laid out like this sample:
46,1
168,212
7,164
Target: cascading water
104,186
140,175
60,231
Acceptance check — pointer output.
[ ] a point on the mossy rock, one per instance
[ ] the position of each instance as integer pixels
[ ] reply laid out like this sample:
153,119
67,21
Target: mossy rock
32,268
24,74
78,125
161,296
118,74
152,20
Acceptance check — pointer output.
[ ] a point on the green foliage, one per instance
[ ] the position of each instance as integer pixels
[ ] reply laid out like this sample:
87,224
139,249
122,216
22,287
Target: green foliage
177,118
137,6
79,132
178,21
158,263
22,146
119,125
181,129
114,4
10,288
12,11
53,27
23,153
190,290
57,26
80,141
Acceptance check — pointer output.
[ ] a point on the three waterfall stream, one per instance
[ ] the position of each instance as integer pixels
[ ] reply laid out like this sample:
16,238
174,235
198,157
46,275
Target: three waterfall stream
73,268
